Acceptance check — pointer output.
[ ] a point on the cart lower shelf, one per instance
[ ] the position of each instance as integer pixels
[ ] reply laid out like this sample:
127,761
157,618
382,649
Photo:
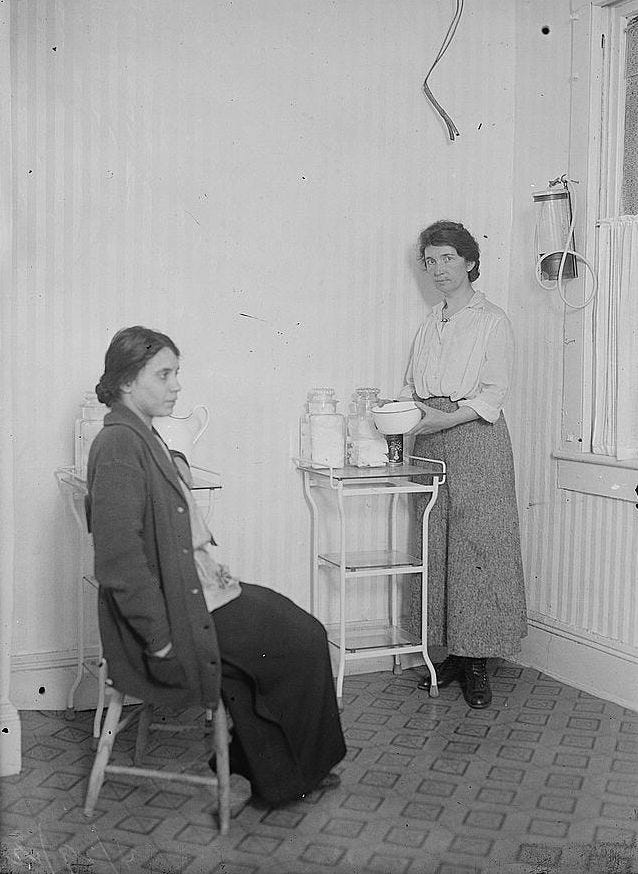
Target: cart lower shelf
384,560
375,636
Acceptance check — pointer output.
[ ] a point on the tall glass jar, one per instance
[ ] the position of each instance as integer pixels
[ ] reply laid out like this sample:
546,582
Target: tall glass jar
366,447
322,430
87,427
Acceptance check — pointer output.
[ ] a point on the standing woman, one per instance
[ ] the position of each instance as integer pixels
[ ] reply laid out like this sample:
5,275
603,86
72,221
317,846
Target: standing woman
459,375
177,627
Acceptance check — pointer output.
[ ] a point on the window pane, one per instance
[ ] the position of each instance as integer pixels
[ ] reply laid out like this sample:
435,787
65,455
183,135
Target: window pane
630,152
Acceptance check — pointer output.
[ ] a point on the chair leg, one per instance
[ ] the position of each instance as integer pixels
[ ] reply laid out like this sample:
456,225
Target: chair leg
141,741
223,768
102,678
104,749
112,725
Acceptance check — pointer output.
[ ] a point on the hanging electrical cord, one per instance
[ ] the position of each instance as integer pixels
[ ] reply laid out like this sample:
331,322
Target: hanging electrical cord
566,251
449,36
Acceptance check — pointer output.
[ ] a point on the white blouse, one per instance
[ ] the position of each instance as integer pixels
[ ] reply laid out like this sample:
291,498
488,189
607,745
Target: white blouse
219,586
468,359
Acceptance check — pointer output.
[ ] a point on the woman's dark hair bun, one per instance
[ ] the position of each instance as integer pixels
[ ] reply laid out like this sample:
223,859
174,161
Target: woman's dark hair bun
104,396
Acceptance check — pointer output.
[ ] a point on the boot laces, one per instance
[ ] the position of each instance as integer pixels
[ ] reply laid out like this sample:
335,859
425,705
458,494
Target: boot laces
478,671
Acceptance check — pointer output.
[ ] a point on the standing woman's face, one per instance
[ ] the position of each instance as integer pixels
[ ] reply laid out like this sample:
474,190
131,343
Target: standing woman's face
154,390
448,269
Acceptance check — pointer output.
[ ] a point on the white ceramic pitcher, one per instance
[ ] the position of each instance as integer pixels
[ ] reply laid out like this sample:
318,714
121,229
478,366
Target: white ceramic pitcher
181,433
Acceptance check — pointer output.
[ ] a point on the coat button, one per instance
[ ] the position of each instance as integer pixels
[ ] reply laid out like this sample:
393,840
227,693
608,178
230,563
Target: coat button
180,509
185,551
194,591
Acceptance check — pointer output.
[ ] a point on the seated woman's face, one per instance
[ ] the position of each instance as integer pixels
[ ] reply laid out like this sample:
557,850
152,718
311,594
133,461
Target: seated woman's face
154,390
448,269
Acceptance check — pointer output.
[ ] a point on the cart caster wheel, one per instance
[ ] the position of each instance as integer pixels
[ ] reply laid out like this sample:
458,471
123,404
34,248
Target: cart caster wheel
434,692
397,670
69,714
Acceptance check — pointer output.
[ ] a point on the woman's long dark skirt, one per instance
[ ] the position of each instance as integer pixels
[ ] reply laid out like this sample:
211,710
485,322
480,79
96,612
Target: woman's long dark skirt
277,685
476,591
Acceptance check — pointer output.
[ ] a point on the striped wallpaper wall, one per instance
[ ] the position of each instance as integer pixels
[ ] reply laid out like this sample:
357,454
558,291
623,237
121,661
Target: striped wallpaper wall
251,178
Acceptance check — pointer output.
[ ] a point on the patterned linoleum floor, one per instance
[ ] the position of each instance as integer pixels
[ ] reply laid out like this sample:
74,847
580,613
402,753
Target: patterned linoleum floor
544,781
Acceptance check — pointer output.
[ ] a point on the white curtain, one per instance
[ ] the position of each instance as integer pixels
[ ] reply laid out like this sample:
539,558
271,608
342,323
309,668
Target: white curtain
615,425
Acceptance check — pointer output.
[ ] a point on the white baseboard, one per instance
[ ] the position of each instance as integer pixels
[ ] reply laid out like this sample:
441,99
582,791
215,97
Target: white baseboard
605,668
42,681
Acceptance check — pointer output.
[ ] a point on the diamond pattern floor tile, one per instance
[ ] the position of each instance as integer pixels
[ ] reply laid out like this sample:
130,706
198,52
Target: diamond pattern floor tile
543,782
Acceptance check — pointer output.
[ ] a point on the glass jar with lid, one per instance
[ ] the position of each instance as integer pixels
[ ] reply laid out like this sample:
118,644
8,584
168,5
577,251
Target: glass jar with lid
322,430
366,447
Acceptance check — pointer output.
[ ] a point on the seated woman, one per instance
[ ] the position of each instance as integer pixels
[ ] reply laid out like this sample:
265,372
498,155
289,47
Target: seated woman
177,628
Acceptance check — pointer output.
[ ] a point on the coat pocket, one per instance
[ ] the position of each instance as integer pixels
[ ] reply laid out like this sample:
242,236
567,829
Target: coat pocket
166,671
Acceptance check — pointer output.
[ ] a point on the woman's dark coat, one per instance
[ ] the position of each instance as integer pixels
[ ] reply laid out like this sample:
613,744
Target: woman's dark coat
150,593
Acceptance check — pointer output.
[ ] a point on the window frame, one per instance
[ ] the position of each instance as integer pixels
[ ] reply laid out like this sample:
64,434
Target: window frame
598,119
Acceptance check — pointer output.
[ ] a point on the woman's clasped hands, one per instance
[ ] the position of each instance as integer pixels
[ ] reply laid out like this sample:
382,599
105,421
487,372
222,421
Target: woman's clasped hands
432,420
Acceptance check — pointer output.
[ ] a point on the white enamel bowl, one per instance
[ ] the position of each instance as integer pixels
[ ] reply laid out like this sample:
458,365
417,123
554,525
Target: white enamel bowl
397,417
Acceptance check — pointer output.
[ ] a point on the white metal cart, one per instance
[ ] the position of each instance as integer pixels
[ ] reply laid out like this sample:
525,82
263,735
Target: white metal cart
356,639
205,484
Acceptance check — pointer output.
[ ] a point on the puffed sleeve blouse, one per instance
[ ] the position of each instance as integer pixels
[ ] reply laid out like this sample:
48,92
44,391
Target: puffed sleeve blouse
468,359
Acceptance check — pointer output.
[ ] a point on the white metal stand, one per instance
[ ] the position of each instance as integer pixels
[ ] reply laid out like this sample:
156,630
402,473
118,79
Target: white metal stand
358,640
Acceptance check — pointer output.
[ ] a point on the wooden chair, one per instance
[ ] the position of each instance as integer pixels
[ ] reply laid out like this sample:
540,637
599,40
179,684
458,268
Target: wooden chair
216,722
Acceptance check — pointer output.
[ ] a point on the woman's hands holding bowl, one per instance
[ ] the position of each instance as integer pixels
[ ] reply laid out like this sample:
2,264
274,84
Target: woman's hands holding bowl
432,420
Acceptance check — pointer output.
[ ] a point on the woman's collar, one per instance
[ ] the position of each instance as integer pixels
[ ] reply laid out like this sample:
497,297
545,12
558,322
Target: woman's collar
121,415
477,301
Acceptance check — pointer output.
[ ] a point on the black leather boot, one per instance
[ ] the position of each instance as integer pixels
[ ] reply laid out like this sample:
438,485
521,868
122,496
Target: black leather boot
446,673
476,683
